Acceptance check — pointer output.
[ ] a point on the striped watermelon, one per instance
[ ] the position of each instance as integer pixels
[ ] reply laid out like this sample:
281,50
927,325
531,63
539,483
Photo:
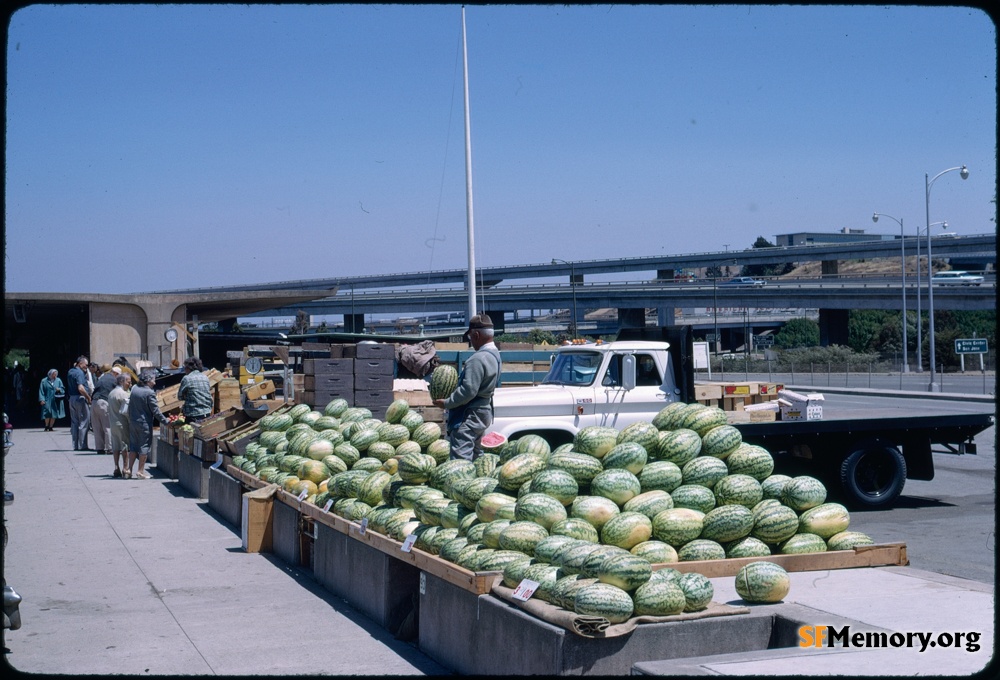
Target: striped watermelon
803,492
747,546
627,571
762,582
678,446
701,549
596,510
336,407
394,434
773,486
396,410
848,540
582,466
565,589
660,475
493,506
513,571
693,496
824,520
627,455
412,420
473,489
721,441
659,598
475,532
535,444
546,548
649,503
539,508
556,483
486,463
595,440
492,530
665,574
727,523
450,549
678,526
698,591
362,439
443,475
604,600
704,420
664,420
415,468
803,543
426,434
592,564
498,560
626,530
576,528
572,558
522,536
617,485
655,552
775,523
443,382
453,515
642,433
738,490
752,460
546,576
704,471
520,469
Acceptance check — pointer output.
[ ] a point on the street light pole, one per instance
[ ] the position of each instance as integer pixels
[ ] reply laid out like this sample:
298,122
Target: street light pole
572,286
902,247
933,386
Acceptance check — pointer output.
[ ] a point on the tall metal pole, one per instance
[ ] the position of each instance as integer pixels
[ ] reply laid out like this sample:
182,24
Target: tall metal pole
920,322
468,179
902,247
933,385
572,286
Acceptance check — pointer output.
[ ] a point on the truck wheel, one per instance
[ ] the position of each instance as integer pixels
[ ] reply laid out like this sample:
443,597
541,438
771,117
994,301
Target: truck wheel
874,476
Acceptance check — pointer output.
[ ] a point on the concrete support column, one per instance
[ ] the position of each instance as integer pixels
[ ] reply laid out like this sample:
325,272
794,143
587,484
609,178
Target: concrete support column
830,268
833,326
631,318
354,323
666,316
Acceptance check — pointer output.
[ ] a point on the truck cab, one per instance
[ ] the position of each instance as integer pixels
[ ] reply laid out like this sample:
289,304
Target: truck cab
613,384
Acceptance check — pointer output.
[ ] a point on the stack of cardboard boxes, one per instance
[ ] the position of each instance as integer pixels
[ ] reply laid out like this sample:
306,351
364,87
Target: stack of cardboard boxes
362,374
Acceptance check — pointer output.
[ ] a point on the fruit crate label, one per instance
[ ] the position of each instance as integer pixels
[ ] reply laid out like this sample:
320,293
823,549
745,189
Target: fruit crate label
737,390
525,589
408,543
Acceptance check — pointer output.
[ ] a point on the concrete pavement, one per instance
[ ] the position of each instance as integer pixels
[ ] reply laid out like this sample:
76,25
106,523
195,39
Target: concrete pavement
138,577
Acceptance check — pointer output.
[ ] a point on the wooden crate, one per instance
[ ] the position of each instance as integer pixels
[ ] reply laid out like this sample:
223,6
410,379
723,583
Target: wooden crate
885,555
227,394
167,398
707,391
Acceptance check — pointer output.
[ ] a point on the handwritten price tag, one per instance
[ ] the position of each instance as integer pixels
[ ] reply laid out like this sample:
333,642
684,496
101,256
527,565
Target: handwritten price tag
364,526
525,589
302,496
329,504
408,543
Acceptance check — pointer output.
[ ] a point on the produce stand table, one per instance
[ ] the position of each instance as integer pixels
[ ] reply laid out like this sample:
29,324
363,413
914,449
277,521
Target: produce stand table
164,456
225,495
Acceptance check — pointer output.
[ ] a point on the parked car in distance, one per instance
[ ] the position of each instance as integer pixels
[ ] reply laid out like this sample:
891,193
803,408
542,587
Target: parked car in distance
956,277
744,281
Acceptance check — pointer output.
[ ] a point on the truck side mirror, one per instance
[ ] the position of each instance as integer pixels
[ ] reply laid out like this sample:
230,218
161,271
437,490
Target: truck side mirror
628,372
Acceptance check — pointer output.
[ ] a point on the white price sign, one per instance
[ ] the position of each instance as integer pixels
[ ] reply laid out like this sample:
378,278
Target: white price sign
525,589
329,504
408,543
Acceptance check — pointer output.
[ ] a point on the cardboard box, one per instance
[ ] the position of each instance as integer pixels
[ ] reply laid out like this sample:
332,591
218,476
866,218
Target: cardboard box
258,515
375,367
764,412
328,382
797,406
364,383
740,389
375,350
317,366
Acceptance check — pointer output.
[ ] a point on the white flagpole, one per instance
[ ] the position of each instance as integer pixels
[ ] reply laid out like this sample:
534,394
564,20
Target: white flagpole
468,180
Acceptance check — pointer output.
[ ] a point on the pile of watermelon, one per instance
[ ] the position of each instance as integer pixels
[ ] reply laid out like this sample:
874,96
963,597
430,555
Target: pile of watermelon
586,520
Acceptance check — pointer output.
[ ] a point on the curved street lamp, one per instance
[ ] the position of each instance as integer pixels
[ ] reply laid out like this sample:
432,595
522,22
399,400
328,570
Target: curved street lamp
902,247
933,386
572,286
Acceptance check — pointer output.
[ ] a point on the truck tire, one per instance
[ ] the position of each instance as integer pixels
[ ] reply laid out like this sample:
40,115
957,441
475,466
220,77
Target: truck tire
873,476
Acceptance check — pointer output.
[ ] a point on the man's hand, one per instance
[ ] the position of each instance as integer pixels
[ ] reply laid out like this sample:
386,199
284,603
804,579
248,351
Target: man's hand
439,402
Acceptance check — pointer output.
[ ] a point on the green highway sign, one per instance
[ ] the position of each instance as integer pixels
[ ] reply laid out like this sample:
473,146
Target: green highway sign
970,346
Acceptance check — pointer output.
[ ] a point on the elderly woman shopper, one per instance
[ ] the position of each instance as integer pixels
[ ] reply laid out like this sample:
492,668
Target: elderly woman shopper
51,396
118,412
143,414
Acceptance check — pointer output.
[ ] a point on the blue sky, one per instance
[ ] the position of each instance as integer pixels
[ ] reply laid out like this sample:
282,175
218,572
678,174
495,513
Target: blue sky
155,147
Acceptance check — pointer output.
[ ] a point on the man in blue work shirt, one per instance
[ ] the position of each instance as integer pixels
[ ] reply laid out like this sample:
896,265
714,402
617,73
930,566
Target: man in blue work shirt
79,404
470,406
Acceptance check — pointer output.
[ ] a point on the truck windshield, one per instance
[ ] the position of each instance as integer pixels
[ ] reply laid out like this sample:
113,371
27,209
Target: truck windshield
573,368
